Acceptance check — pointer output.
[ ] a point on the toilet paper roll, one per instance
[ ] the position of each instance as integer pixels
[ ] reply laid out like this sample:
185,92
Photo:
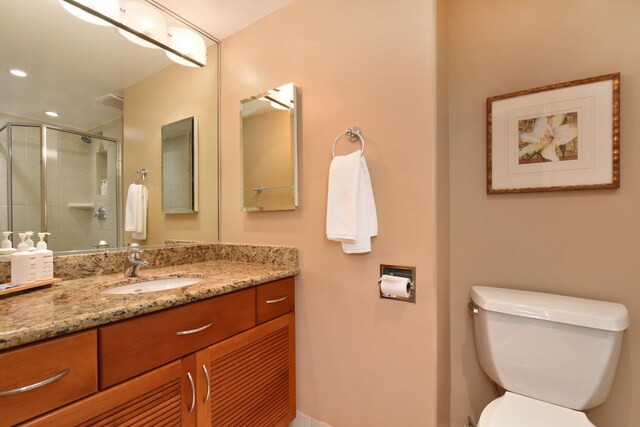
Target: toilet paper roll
396,286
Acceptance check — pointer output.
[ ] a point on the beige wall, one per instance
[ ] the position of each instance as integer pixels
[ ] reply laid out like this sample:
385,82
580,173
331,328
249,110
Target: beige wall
361,361
582,243
175,93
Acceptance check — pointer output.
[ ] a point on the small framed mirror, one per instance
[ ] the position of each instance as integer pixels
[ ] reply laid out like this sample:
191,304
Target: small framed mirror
269,150
180,167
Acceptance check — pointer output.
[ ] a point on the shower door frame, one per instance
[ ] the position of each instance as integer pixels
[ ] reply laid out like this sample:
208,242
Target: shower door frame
43,172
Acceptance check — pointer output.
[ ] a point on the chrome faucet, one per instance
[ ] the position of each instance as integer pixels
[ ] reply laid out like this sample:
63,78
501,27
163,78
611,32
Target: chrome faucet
133,261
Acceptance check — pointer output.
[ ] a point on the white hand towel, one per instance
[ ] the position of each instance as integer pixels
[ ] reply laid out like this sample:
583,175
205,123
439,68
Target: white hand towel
351,209
136,211
367,218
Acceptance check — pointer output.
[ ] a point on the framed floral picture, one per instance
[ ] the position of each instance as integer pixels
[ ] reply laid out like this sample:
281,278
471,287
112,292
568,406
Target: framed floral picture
564,136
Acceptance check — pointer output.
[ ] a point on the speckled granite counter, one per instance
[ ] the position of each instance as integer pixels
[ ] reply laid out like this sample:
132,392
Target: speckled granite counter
74,305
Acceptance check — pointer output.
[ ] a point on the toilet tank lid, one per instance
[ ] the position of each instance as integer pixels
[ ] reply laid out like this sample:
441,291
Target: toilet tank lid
604,315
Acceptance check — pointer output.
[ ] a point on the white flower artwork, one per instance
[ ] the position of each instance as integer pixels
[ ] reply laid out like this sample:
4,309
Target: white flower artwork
548,139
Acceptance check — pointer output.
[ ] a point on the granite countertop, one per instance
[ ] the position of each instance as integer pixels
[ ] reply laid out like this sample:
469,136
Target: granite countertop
74,305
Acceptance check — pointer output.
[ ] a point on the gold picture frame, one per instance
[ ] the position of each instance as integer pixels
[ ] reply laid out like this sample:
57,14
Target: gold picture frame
564,136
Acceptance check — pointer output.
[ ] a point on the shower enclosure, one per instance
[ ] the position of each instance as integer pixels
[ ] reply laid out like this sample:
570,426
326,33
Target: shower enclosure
61,181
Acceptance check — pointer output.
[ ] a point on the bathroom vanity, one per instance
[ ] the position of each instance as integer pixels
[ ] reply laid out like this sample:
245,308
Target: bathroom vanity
219,352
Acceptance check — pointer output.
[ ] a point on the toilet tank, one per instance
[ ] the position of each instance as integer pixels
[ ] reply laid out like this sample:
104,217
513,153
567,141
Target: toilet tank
557,349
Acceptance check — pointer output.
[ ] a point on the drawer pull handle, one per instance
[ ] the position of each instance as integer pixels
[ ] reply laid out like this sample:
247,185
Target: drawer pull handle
193,392
206,375
193,331
273,301
36,385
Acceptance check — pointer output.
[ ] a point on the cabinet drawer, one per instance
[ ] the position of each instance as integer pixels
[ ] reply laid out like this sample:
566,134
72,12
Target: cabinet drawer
40,377
133,346
275,299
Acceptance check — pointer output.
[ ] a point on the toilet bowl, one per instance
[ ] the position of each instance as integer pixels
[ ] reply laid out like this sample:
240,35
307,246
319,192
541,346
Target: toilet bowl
554,355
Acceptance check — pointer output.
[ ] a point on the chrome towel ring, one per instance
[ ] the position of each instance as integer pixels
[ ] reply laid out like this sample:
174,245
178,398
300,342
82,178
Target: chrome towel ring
140,176
353,135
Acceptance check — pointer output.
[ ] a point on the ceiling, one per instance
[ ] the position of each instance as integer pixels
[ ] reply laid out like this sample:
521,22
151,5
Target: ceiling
221,18
72,64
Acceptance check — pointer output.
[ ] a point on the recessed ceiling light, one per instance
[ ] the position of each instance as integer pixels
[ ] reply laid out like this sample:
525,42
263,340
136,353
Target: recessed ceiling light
18,73
51,113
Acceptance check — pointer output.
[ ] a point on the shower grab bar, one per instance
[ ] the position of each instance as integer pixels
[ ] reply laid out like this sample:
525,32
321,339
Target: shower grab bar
272,187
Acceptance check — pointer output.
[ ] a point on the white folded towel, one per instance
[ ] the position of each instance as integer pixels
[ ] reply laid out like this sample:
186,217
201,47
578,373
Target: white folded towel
351,208
136,211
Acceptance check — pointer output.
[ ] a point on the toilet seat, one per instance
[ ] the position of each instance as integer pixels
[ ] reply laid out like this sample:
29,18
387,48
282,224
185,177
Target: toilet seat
515,410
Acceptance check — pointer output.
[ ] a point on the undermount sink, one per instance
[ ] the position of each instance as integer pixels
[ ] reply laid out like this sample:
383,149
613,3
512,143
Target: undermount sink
153,285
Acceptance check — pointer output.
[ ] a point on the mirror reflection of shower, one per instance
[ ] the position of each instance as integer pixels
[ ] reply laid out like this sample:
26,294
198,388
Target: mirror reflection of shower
61,190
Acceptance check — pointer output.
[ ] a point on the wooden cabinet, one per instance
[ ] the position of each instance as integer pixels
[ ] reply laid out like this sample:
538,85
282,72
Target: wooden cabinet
231,373
37,378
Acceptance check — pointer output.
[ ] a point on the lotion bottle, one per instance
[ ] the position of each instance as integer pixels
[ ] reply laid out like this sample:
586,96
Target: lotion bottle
44,259
6,248
23,264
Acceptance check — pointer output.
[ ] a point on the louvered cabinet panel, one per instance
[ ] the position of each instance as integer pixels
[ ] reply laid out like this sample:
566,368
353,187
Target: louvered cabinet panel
252,376
153,399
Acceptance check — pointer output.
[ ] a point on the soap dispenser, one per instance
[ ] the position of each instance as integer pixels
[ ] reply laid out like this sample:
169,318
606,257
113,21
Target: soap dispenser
6,246
23,264
29,241
44,259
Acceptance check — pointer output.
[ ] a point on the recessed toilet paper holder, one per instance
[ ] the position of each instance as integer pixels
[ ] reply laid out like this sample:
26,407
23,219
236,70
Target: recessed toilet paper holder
401,272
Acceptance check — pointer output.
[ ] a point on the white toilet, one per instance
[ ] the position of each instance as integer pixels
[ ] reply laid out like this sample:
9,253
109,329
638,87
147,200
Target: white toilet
555,355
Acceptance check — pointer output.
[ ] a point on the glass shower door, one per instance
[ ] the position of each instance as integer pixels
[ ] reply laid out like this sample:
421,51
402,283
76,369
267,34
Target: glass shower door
81,191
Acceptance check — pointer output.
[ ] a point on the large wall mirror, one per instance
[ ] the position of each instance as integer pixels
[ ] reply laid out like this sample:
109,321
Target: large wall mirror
112,98
269,150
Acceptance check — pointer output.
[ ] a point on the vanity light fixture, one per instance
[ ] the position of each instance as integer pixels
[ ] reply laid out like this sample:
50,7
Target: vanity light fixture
188,42
110,8
18,73
51,113
182,45
144,19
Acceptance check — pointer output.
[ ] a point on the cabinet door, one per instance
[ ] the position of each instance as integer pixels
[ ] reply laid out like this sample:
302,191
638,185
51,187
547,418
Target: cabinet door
252,377
152,399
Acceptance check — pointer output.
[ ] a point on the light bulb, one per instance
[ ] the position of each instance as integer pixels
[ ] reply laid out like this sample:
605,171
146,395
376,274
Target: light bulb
109,8
188,43
144,19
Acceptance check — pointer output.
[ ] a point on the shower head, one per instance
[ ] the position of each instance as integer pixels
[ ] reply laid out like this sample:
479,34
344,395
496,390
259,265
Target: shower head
86,139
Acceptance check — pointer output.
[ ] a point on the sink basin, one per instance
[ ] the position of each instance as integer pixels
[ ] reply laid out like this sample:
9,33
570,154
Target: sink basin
153,285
